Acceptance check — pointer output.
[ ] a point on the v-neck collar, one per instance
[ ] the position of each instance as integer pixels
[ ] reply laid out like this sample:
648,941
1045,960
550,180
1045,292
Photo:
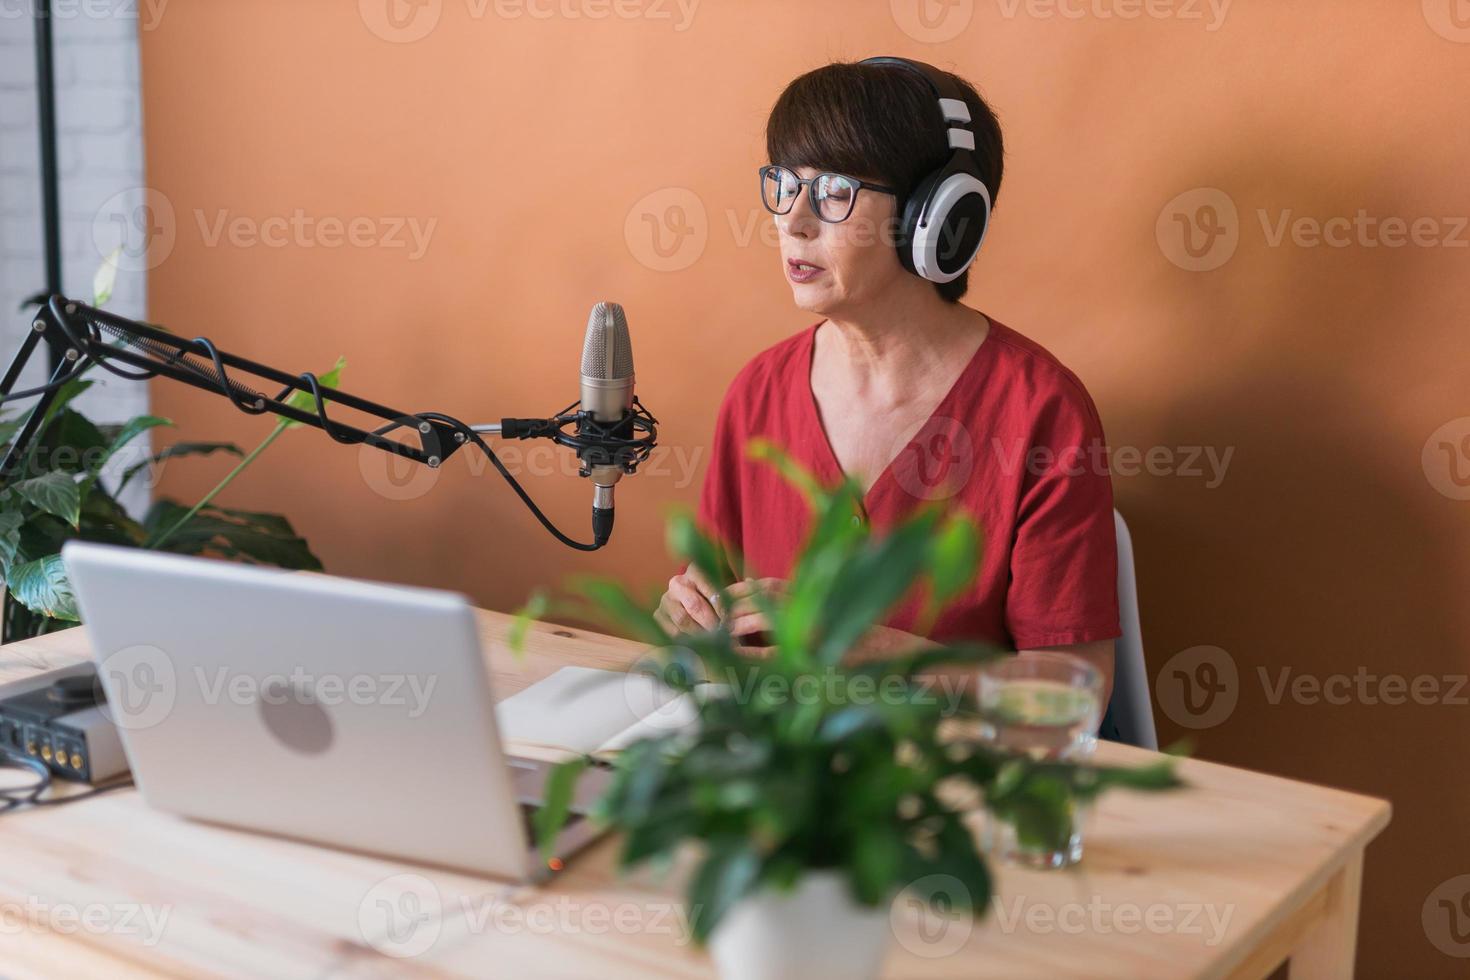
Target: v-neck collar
829,455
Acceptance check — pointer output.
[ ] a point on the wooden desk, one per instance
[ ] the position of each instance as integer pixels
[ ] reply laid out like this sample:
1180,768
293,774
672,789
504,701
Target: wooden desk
1225,879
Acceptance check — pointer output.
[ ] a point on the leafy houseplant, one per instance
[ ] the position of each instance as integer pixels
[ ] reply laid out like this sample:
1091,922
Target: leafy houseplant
58,493
870,779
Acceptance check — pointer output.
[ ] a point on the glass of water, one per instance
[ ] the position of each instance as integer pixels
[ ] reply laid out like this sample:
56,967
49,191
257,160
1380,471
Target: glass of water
1046,706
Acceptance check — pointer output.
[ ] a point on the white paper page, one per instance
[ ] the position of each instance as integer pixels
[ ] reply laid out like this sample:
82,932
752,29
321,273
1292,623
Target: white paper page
583,710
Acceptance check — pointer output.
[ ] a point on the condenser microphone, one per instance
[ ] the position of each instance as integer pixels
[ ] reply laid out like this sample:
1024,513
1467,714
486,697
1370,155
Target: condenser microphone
611,431
607,395
607,373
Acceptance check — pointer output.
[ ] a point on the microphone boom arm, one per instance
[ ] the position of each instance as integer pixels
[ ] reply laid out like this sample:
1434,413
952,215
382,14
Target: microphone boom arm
78,334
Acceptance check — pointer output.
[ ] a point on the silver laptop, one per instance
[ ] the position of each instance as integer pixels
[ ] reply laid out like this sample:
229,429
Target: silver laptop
347,713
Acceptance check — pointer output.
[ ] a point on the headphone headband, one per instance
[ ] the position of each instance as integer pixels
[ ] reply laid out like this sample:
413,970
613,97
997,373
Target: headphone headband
945,219
954,112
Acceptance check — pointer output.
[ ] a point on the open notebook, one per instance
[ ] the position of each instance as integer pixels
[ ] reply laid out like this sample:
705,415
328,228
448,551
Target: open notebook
586,711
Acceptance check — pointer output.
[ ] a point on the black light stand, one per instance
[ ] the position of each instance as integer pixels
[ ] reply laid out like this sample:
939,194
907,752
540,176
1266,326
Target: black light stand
50,176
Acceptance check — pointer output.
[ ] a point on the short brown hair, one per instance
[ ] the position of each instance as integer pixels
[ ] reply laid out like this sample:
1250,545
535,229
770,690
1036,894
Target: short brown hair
879,121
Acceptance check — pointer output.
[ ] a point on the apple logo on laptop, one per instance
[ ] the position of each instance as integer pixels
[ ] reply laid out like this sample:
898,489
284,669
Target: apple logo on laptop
292,714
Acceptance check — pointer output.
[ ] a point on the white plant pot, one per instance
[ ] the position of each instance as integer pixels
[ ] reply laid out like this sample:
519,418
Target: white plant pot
815,932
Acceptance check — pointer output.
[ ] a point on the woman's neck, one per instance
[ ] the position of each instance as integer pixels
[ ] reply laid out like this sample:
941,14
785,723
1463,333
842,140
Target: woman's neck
888,353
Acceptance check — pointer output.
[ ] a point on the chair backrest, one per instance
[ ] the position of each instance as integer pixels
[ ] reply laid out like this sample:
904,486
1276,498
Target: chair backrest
1132,708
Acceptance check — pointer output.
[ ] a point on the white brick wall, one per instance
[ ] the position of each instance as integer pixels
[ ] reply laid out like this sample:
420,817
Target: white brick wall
100,147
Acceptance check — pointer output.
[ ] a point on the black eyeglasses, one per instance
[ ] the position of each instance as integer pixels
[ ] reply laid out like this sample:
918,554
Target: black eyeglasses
832,196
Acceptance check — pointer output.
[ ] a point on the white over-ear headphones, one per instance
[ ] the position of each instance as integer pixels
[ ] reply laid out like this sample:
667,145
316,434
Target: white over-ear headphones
944,220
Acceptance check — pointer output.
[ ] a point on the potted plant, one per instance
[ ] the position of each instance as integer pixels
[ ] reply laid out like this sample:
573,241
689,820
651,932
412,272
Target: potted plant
816,787
60,492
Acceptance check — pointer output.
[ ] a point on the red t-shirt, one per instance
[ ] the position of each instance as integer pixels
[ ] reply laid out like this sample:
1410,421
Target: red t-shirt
1016,443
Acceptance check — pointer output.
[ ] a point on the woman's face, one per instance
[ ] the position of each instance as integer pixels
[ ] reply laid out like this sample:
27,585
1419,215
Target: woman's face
837,267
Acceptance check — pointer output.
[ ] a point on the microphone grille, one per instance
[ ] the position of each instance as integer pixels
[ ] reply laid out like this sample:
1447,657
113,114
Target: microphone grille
607,353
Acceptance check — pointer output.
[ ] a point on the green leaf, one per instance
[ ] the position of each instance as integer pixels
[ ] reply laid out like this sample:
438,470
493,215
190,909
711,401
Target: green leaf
764,450
10,523
104,519
687,541
623,609
556,803
877,858
55,493
105,278
534,608
304,400
954,560
42,586
244,535
727,875
130,430
176,450
870,584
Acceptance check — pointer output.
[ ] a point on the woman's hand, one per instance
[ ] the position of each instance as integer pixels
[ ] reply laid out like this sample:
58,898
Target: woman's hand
744,616
687,606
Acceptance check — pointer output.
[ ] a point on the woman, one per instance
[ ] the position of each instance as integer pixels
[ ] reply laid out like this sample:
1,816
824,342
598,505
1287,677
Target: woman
901,387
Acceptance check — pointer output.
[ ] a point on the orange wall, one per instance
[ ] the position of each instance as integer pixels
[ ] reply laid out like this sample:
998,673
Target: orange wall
534,143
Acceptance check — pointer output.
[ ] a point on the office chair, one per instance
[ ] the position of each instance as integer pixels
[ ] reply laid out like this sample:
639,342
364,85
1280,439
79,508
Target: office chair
1131,709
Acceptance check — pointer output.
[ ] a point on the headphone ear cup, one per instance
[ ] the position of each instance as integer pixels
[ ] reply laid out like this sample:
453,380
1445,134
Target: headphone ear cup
959,214
908,222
